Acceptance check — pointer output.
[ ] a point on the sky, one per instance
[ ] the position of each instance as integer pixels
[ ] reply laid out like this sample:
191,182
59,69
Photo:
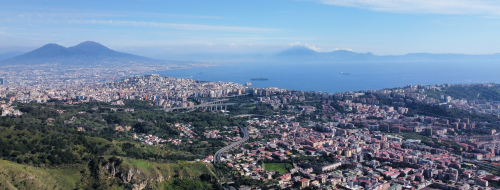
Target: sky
152,27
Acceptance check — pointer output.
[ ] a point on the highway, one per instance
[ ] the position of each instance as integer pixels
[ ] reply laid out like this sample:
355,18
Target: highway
231,146
251,115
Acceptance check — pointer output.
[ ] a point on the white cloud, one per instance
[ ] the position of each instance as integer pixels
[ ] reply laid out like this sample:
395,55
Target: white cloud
232,45
305,45
347,49
172,25
480,7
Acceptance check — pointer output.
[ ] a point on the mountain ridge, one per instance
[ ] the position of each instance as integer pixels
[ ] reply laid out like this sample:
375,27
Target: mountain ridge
87,52
93,53
301,53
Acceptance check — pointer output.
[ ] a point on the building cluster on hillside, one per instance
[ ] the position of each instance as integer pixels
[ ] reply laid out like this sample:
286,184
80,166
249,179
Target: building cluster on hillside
148,139
343,130
8,110
368,151
186,130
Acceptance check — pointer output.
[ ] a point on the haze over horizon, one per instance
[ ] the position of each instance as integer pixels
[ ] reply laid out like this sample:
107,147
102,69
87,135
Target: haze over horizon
170,28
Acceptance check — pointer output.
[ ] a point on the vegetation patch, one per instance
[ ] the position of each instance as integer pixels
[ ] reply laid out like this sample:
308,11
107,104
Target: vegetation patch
17,176
279,167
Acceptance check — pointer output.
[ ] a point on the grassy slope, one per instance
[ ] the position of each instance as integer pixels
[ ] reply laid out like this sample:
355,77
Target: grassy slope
181,169
17,176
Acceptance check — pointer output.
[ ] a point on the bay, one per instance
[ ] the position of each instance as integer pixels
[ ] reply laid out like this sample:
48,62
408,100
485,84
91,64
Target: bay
327,77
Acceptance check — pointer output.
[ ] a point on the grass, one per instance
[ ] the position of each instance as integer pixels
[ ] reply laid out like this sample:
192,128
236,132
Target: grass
181,169
17,176
280,167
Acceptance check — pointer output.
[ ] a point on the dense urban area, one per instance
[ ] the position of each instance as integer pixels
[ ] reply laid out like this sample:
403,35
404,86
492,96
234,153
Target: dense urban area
90,130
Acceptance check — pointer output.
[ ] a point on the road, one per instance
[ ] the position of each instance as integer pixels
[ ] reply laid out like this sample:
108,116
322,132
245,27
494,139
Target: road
231,146
251,115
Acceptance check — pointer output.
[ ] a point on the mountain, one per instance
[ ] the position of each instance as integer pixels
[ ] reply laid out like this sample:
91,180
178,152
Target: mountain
84,53
298,51
9,55
301,53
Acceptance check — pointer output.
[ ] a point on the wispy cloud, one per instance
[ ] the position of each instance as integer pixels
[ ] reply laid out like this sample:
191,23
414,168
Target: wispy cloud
346,49
172,25
305,45
479,7
58,13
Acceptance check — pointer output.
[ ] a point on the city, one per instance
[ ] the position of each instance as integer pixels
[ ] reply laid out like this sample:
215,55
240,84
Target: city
354,140
250,95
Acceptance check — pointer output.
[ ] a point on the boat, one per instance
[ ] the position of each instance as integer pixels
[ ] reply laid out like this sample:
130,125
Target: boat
259,79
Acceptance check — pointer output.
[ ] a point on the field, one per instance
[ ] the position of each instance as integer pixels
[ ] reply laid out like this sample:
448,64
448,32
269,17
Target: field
280,167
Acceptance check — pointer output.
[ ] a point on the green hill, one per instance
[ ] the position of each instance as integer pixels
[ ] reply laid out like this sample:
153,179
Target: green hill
111,173
17,176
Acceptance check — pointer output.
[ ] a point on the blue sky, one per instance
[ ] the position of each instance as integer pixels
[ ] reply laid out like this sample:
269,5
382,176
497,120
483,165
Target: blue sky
151,27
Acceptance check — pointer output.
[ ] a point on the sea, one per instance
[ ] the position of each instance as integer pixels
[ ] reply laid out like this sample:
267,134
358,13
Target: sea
342,77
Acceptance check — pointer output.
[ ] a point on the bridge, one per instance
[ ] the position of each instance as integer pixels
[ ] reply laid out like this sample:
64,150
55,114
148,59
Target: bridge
214,105
251,115
233,145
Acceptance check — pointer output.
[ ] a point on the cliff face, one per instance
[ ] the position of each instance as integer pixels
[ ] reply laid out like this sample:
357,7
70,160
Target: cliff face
131,176
138,174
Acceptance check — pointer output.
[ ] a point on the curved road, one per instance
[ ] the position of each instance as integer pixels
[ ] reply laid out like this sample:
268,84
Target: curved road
231,146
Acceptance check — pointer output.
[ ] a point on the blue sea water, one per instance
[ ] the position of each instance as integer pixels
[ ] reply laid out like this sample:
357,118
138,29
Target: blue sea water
326,77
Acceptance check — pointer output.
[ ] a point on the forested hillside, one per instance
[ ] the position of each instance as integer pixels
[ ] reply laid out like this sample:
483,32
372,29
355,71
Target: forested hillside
85,147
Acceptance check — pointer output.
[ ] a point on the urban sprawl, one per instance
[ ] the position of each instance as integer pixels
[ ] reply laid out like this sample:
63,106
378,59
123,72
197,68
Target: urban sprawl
355,140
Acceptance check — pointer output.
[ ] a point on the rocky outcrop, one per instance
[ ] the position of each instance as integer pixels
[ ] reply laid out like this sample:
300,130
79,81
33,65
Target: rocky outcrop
127,176
112,168
137,177
140,185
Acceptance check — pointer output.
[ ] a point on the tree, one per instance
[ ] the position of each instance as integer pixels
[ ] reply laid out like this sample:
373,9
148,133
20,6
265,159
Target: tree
402,174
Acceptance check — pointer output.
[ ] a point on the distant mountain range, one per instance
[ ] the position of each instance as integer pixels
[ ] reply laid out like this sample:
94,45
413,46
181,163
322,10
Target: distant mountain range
303,54
92,53
86,53
300,53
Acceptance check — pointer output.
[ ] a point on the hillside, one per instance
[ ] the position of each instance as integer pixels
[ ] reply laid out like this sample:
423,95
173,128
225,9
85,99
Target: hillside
85,147
17,176
111,173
